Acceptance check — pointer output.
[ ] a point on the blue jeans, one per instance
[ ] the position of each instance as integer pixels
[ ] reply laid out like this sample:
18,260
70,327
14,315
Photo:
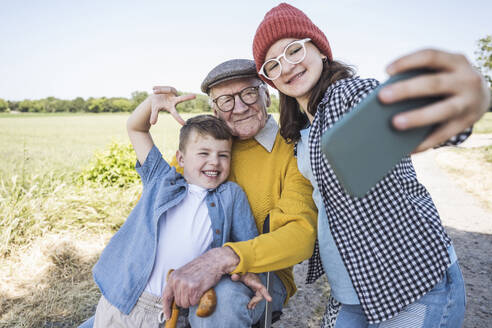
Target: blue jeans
443,306
232,301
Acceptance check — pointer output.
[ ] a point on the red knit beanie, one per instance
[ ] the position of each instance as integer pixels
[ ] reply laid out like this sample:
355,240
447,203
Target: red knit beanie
286,21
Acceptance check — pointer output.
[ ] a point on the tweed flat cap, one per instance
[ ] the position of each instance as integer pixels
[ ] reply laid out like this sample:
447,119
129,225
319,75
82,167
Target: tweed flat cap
229,70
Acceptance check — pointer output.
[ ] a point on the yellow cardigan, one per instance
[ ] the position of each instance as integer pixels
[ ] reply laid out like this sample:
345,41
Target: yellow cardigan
274,186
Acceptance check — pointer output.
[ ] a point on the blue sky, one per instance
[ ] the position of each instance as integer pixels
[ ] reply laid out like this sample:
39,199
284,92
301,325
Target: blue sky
111,48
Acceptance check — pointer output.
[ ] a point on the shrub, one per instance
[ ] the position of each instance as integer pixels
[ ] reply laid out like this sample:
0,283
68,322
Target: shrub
114,166
3,105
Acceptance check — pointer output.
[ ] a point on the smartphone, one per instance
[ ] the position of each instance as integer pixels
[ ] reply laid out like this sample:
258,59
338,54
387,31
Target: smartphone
363,147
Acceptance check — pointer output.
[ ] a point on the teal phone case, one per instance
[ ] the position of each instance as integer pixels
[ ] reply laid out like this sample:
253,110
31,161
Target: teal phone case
362,147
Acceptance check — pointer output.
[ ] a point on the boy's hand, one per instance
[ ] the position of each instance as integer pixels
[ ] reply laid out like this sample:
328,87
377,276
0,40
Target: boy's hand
254,283
466,95
166,98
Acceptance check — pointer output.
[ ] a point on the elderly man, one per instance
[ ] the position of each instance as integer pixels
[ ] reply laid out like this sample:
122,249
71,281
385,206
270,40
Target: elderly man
263,164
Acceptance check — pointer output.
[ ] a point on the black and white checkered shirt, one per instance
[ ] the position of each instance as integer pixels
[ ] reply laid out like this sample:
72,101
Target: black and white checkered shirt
391,241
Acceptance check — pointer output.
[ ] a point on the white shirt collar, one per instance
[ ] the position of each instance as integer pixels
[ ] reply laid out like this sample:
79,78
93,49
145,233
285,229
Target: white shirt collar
266,137
196,190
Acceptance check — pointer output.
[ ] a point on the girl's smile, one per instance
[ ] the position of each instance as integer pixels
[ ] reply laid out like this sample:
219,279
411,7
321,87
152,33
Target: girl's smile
297,80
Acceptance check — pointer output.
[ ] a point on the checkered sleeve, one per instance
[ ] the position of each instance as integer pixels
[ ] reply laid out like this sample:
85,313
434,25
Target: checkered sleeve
457,139
391,241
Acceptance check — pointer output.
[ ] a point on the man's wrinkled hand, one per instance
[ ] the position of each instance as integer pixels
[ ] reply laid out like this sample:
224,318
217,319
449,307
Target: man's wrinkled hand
254,283
187,284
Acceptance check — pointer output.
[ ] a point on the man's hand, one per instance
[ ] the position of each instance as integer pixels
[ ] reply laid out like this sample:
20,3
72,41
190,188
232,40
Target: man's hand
465,92
166,98
187,284
253,281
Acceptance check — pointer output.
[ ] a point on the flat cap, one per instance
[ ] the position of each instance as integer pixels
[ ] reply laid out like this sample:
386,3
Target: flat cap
229,70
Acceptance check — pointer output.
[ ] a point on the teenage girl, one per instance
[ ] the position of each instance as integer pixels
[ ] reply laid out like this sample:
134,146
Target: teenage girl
387,256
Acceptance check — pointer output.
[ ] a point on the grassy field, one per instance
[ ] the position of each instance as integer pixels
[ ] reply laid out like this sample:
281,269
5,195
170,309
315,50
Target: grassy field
484,125
52,229
68,141
471,169
42,154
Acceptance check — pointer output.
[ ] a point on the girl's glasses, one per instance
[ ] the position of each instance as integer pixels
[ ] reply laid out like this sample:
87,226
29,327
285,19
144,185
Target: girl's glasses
294,53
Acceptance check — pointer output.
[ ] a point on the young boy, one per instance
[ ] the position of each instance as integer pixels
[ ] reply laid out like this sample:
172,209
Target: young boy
177,218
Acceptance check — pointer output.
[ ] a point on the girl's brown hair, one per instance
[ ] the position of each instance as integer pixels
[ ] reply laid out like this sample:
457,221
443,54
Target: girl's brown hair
292,119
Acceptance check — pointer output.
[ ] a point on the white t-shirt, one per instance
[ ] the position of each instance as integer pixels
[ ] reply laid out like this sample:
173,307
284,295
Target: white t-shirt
185,232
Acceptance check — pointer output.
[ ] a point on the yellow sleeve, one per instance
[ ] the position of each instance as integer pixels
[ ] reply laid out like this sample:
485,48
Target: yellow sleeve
293,229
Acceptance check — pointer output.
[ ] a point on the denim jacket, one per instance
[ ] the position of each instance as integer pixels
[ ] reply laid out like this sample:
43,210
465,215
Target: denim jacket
126,263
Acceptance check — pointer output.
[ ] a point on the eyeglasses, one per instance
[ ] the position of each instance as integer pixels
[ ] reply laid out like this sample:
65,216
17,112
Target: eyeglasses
294,53
248,96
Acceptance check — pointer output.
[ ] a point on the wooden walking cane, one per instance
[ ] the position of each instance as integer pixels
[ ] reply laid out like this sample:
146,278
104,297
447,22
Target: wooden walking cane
171,323
267,323
206,306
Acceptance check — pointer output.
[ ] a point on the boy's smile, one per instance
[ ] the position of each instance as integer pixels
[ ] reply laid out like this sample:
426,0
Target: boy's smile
205,160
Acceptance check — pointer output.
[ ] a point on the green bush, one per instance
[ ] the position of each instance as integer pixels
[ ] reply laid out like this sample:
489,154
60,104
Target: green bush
274,105
114,166
3,105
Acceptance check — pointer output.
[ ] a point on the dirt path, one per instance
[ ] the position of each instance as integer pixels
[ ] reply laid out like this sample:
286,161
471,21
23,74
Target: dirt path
469,225
458,209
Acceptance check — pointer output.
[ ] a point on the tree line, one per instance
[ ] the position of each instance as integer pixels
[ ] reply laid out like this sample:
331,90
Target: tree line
93,105
104,105
484,57
200,104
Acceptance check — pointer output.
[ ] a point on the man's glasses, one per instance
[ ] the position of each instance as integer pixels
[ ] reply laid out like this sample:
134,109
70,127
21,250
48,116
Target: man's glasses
294,53
248,96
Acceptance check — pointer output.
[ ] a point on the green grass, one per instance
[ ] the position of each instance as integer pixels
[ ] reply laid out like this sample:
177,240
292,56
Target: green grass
42,156
19,114
470,168
484,125
50,218
484,153
68,141
481,154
